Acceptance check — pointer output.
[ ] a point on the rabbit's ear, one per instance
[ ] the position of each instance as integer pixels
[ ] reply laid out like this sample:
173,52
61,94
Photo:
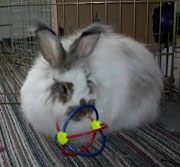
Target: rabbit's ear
51,49
85,44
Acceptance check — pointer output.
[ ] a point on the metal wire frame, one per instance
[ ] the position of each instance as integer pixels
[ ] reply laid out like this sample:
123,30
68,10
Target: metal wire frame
78,4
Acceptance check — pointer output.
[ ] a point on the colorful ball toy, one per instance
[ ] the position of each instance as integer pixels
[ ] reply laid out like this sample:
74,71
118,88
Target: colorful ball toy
96,125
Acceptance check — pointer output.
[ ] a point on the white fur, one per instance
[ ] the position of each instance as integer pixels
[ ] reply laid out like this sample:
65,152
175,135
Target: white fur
128,87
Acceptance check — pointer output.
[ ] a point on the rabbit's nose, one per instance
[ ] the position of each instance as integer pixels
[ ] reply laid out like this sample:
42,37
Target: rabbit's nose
91,102
83,112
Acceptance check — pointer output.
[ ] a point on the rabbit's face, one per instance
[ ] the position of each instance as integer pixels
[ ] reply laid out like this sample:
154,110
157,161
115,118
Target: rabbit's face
71,89
71,81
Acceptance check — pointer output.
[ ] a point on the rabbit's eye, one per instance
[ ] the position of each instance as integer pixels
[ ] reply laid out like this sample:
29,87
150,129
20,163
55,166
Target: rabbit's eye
64,89
90,85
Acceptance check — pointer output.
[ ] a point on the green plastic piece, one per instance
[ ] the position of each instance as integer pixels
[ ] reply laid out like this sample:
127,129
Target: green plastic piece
62,137
96,124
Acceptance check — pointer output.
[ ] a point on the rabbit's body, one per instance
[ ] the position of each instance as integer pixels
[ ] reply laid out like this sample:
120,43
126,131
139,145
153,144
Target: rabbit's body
118,75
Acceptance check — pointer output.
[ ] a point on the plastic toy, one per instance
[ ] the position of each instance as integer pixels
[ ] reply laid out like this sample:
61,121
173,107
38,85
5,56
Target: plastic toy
96,125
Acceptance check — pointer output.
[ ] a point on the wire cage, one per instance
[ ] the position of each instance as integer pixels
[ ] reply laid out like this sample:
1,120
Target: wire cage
153,22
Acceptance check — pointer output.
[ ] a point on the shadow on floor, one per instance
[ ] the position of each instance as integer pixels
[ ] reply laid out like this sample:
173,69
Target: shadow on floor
169,117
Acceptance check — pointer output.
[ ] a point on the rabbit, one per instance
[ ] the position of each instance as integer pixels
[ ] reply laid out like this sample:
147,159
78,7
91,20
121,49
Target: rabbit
96,66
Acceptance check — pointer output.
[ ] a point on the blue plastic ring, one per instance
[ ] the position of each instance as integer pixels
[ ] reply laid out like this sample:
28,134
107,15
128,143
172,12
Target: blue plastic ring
76,110
102,135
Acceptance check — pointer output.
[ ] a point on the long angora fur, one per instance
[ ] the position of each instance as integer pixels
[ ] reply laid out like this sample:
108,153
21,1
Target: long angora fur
95,65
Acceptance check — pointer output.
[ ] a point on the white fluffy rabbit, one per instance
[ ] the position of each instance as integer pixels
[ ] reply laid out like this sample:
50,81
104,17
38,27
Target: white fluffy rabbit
97,66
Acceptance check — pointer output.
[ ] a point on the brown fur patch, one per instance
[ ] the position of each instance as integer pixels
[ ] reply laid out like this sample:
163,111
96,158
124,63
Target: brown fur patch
62,91
90,84
83,112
